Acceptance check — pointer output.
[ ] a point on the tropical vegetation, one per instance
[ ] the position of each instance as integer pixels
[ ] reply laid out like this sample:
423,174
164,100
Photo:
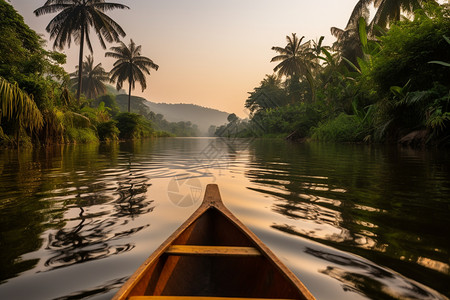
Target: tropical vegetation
75,20
39,102
384,80
387,11
17,107
161,125
130,66
93,79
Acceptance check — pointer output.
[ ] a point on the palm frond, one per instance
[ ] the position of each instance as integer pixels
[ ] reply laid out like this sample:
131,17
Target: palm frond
279,58
18,105
337,32
140,77
49,9
105,6
280,50
361,10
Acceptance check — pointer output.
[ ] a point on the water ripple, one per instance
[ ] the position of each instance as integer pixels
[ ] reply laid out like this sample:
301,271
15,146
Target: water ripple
367,219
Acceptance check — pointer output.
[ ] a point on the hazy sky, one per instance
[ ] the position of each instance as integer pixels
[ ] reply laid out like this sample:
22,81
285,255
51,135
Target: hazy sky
210,52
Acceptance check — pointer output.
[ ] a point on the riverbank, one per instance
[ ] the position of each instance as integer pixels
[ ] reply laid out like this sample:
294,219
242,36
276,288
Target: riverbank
38,105
372,86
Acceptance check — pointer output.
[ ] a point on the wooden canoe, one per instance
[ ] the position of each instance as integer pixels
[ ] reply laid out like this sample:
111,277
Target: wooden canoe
212,256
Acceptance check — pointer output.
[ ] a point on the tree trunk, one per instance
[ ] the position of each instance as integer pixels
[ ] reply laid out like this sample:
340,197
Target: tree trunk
80,65
129,95
310,80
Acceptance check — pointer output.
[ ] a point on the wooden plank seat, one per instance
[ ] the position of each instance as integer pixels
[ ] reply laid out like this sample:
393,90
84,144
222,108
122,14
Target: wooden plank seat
183,250
194,298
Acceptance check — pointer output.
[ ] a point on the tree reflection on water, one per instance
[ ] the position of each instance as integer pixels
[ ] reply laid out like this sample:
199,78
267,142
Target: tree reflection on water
71,208
96,236
362,277
87,241
388,205
75,204
132,199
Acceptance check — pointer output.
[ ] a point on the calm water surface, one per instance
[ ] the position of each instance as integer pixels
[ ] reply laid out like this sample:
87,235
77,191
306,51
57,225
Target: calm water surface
351,221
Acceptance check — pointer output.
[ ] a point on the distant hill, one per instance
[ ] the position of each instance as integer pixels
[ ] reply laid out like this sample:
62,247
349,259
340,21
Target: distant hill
112,90
202,116
196,114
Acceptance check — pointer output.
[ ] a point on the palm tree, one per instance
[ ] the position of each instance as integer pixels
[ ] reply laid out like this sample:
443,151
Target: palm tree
347,43
130,65
296,60
75,19
269,94
271,81
92,79
386,10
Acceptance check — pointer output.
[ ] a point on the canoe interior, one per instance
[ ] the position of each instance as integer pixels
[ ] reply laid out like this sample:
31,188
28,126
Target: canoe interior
215,276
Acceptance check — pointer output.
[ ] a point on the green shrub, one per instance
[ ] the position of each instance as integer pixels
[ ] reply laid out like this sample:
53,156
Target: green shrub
133,126
80,135
407,48
344,128
160,133
286,119
108,131
110,102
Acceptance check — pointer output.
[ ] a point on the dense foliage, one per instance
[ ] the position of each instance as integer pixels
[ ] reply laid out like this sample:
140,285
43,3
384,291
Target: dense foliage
375,84
75,19
37,104
395,88
162,126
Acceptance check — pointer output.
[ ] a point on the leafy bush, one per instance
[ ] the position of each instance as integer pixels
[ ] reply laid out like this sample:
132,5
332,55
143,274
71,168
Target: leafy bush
109,102
133,126
411,111
407,48
80,135
108,131
286,119
160,133
344,128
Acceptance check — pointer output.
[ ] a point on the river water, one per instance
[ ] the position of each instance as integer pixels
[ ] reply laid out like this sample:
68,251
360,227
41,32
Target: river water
351,221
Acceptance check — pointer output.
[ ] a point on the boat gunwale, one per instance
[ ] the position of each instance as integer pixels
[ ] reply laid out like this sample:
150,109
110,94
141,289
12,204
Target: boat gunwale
211,200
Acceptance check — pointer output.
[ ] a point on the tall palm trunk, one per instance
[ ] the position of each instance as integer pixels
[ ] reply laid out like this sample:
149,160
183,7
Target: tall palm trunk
129,94
80,65
310,79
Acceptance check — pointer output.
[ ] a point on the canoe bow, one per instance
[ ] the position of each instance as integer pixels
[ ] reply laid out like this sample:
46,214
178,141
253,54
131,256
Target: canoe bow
138,285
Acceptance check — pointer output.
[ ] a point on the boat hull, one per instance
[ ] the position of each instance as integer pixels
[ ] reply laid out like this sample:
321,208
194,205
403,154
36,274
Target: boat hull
214,255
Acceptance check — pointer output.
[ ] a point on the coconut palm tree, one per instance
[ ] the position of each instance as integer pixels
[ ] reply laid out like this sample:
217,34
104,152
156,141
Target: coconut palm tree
130,65
75,19
391,10
92,79
269,94
347,43
386,10
296,60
